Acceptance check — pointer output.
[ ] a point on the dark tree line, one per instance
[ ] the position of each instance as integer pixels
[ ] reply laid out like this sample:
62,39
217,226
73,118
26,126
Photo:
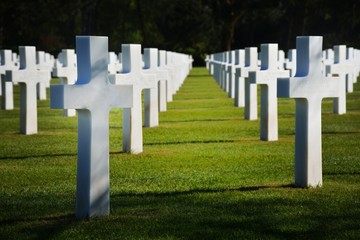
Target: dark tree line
196,27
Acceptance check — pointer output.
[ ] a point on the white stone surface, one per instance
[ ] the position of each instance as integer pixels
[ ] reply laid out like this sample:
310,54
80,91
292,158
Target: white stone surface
251,60
7,95
42,66
114,63
266,77
92,96
161,76
132,74
239,91
308,87
67,73
164,92
342,67
151,93
28,77
291,63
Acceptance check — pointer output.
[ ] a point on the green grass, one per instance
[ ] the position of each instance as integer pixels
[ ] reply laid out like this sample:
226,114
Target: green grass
204,174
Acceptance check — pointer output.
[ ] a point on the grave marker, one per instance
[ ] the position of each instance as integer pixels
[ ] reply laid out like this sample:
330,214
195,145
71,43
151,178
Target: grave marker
92,96
7,95
151,66
28,78
239,95
308,87
132,117
266,77
164,93
342,67
42,66
251,60
67,73
337,68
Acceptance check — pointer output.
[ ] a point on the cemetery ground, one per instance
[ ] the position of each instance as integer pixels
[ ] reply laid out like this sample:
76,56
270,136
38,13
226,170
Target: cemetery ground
204,174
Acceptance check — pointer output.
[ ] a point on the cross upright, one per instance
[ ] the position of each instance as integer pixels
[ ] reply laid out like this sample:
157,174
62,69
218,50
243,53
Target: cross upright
266,77
230,74
67,73
28,78
42,66
92,96
151,94
308,87
7,95
151,60
239,94
344,70
342,67
132,74
251,64
165,94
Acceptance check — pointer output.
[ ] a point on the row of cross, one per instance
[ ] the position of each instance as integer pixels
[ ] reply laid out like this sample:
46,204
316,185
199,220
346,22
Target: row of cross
159,74
309,77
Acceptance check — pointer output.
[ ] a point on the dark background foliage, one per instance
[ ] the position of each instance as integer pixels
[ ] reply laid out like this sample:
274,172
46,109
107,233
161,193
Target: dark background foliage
195,27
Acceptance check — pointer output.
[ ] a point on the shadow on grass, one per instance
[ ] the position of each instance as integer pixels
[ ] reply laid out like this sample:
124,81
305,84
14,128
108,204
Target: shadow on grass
339,132
190,142
240,213
248,212
37,156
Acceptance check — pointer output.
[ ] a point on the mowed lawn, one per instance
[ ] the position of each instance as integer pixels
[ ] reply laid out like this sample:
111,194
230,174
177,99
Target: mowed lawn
204,174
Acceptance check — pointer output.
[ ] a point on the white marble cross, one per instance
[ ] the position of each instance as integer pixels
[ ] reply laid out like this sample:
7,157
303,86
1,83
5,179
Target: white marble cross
28,78
132,74
342,67
239,94
7,96
151,93
42,66
92,96
230,76
151,66
350,58
266,77
251,64
224,76
67,73
308,87
165,94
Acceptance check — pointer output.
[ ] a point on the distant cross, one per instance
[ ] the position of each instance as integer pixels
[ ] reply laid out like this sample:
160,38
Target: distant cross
7,95
67,73
308,87
344,71
42,66
92,96
28,78
164,92
230,79
251,64
343,67
239,94
161,76
266,77
132,74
